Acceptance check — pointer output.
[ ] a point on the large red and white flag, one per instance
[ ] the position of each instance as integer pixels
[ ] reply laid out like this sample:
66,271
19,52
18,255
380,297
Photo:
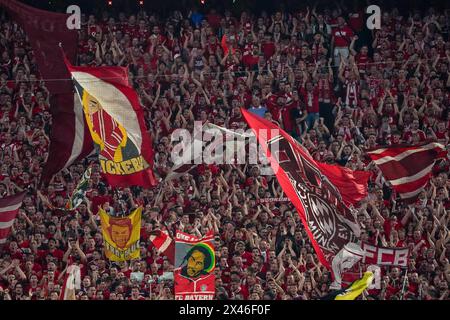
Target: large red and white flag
322,194
115,119
9,207
407,168
164,244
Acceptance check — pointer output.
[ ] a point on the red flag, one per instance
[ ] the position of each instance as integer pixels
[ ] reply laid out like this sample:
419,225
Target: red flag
116,122
316,190
69,139
407,168
9,207
385,256
164,244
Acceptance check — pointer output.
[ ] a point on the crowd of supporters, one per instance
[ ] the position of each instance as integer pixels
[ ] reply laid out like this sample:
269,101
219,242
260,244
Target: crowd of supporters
318,73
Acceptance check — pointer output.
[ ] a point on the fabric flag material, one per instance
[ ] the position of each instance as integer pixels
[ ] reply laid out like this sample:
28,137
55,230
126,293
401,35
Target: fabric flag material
69,138
195,262
191,155
116,122
407,168
385,256
79,193
72,282
313,189
185,165
121,235
77,197
9,208
164,244
354,290
350,254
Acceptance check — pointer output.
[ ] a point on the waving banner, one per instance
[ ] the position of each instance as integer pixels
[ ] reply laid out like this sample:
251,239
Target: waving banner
69,138
322,194
163,243
408,168
79,194
9,208
121,235
195,261
116,122
385,256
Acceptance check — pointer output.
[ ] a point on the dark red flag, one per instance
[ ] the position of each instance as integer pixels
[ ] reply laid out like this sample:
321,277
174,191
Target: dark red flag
69,138
317,190
164,244
9,207
407,168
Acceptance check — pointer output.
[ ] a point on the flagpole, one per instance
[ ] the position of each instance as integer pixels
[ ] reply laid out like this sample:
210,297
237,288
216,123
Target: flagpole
404,283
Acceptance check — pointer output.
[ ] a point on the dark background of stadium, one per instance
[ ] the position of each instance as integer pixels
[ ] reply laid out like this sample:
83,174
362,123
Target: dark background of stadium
235,6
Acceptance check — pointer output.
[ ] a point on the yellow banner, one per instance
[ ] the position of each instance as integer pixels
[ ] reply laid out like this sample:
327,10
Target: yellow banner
355,290
121,235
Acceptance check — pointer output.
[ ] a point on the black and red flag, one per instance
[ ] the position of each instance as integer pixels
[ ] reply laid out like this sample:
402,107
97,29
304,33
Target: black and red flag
407,168
323,194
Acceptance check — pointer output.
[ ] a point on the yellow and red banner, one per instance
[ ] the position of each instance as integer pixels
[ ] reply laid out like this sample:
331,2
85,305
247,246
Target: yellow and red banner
115,119
195,261
121,235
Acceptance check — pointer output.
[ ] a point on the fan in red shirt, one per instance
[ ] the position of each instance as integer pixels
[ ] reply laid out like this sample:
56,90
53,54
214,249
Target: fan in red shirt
310,97
342,37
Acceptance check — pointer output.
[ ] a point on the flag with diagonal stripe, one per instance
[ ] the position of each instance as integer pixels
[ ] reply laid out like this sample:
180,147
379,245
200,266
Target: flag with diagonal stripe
407,168
9,207
164,244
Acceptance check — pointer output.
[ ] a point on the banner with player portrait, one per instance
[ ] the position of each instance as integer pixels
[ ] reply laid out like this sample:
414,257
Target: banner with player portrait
121,235
115,119
195,262
324,195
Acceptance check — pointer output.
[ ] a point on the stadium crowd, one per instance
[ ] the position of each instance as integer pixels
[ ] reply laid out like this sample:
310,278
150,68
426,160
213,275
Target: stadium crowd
317,72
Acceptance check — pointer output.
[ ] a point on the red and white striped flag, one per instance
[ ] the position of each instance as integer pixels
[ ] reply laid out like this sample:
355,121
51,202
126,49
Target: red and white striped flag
164,244
407,168
72,282
9,207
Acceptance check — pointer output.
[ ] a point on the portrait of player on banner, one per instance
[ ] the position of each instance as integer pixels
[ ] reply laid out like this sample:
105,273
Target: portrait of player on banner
195,262
121,235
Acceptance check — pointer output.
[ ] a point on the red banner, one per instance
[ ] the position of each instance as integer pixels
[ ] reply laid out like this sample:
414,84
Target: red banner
194,267
115,120
321,193
385,256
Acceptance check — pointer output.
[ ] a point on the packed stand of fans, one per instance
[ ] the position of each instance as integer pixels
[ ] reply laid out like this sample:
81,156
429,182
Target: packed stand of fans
317,73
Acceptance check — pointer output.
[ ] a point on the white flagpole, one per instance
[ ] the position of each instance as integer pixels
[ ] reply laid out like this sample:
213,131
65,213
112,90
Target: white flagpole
404,283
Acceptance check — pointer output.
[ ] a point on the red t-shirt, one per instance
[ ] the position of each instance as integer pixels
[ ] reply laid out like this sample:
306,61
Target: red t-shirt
311,99
342,36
